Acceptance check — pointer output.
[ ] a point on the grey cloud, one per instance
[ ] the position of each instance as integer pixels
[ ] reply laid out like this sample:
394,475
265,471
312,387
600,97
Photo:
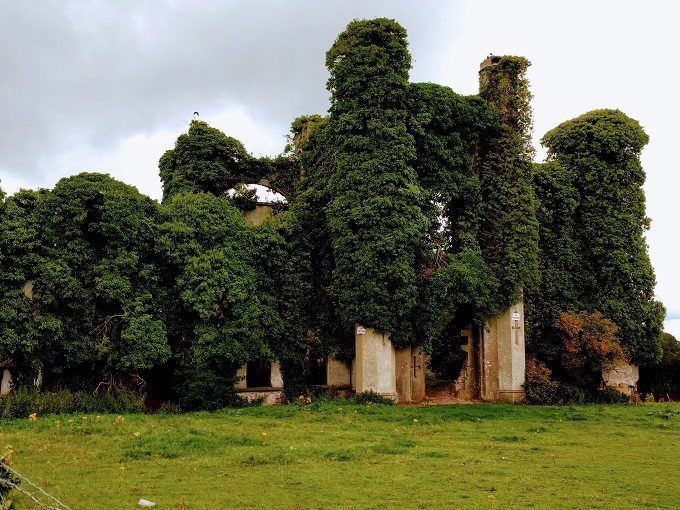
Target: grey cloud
87,74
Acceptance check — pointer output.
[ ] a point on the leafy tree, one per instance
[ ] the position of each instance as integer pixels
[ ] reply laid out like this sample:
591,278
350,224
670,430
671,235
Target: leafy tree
375,219
205,160
590,347
663,378
82,301
592,216
222,311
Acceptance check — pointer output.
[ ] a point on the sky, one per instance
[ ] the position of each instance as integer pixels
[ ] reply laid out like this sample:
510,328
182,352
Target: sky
89,85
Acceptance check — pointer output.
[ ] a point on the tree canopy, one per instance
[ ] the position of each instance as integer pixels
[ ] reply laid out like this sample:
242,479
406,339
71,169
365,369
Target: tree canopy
592,223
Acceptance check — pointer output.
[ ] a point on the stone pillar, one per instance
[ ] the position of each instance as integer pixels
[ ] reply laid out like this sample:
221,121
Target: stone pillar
417,374
375,362
488,354
403,374
467,385
5,382
502,356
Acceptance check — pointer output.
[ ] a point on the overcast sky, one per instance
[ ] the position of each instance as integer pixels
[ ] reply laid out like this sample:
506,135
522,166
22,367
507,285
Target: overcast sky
108,86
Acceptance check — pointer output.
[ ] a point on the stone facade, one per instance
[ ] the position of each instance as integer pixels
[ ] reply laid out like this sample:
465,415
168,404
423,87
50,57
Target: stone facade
262,211
622,378
375,363
5,382
502,358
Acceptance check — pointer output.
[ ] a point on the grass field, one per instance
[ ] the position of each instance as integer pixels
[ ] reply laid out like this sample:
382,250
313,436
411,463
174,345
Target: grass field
330,455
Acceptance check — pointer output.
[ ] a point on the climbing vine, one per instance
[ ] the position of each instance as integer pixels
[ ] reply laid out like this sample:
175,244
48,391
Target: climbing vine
508,228
593,251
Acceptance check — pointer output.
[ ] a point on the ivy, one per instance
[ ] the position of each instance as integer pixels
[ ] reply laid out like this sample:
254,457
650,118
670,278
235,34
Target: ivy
508,229
593,251
81,301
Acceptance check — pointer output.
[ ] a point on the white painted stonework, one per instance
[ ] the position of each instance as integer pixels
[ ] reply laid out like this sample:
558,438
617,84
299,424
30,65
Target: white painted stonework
375,363
5,382
338,374
622,378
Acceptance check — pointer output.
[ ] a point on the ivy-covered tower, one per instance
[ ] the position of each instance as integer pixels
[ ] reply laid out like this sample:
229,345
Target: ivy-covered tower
508,229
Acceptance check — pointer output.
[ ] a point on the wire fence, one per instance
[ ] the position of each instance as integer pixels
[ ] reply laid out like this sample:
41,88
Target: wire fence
37,499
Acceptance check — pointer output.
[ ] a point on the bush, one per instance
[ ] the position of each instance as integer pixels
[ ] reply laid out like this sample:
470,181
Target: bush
7,479
610,396
553,393
570,394
541,393
26,401
201,389
370,397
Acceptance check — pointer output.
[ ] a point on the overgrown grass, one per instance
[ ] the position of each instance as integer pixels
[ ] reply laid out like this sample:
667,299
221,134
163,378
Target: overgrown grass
335,455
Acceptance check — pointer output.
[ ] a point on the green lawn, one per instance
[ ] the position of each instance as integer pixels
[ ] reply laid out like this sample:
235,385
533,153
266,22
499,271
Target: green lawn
332,455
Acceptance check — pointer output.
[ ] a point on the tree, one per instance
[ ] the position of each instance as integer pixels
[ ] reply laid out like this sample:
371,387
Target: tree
81,302
222,313
663,378
592,216
590,347
508,229
206,160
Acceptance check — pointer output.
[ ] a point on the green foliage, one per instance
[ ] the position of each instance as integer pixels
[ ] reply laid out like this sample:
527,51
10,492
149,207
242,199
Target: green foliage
555,393
663,378
508,228
223,310
610,396
244,198
375,220
205,160
447,129
26,401
81,300
370,397
460,291
200,386
7,479
592,216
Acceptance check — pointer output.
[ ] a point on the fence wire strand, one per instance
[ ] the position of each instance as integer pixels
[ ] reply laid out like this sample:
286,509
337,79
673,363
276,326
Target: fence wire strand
7,483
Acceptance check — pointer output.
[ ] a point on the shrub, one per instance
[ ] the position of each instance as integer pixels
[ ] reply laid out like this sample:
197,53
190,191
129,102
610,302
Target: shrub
570,394
26,401
541,393
551,393
370,397
610,396
7,480
590,346
202,389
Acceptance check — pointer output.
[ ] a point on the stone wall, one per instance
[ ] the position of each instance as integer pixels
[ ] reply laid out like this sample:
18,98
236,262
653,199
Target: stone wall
622,378
338,373
5,382
375,362
261,212
502,356
410,374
